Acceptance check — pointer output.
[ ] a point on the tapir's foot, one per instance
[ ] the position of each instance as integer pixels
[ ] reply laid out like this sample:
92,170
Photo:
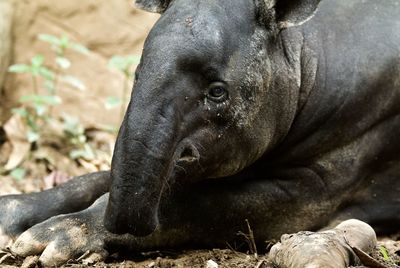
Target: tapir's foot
328,249
17,212
66,237
20,212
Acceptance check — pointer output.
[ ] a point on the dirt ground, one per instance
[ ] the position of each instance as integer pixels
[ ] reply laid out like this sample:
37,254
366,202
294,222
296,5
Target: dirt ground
214,258
197,258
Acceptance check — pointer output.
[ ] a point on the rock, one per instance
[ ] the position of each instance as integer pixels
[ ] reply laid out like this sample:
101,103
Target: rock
212,264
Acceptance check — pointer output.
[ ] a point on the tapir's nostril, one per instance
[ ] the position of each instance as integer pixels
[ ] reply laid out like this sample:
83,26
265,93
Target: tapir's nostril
189,154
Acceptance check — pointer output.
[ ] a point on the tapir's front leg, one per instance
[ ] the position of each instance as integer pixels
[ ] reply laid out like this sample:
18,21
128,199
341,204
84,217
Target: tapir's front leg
207,215
20,212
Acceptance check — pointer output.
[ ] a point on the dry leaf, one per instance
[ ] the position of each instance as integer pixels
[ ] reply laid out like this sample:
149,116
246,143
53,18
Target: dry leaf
55,178
7,186
16,133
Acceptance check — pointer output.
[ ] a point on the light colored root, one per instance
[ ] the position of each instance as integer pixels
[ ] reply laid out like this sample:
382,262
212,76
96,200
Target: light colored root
330,249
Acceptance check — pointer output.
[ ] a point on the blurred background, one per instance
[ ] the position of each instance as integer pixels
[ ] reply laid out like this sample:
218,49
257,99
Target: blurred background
66,73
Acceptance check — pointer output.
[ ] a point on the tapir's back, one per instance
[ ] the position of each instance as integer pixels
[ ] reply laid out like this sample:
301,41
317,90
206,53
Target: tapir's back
349,127
368,28
357,87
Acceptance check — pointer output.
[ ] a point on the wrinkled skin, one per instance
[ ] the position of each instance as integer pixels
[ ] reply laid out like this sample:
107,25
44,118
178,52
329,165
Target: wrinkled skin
281,114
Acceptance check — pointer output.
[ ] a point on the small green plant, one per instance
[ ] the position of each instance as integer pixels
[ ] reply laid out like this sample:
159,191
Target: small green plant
60,45
75,134
18,173
36,108
385,254
124,64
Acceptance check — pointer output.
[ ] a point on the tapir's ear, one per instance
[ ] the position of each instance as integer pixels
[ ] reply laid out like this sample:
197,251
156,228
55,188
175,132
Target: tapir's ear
157,6
294,12
289,13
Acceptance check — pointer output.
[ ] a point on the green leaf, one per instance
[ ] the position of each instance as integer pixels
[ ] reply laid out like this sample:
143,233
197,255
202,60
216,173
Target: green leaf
35,70
46,73
37,60
20,111
73,81
40,109
123,63
75,154
18,173
19,68
41,99
50,86
109,128
117,62
49,39
32,136
112,102
385,253
72,125
52,100
79,48
64,41
64,63
59,50
86,153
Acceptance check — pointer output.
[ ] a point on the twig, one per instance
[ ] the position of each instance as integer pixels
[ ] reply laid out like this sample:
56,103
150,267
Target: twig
234,251
5,257
259,264
250,239
84,255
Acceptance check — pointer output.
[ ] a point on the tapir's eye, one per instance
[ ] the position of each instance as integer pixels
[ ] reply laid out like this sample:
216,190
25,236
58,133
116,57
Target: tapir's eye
217,91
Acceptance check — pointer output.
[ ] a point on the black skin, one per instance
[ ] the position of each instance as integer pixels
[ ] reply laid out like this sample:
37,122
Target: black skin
303,135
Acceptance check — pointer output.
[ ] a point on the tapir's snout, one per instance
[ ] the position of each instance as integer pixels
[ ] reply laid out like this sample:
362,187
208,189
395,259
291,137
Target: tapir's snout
149,147
141,165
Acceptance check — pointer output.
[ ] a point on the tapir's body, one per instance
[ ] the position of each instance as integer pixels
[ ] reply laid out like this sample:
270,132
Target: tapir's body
298,128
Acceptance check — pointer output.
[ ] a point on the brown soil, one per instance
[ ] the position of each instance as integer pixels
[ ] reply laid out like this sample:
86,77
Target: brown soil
220,258
197,258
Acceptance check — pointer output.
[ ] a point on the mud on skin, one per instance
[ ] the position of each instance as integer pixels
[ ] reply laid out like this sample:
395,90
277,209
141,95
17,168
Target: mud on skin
282,116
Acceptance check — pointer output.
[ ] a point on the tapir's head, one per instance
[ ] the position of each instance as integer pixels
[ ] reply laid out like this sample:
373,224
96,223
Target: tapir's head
206,102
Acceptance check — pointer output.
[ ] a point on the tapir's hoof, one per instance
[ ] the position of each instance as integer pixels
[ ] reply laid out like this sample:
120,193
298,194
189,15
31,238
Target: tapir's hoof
63,238
328,249
66,237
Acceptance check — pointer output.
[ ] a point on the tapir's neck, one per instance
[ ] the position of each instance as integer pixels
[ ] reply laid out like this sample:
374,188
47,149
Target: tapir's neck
294,65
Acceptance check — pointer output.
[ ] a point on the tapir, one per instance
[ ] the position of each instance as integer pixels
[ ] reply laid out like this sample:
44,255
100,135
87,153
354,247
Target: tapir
281,114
